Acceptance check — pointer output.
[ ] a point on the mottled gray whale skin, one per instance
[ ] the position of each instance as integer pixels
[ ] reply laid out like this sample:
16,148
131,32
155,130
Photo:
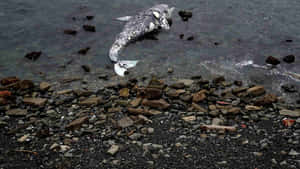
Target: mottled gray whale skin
137,26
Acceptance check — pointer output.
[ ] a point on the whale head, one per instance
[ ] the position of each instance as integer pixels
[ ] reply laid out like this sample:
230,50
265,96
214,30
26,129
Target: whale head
163,14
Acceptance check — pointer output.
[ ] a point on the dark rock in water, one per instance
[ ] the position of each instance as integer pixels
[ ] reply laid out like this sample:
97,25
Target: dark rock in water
77,123
197,77
84,50
89,28
289,40
103,76
216,43
170,21
190,38
33,55
238,83
289,58
289,88
181,36
26,84
89,17
185,15
70,32
272,60
86,68
9,80
218,79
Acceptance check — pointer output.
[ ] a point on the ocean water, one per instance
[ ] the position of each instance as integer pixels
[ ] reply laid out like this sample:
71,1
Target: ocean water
231,38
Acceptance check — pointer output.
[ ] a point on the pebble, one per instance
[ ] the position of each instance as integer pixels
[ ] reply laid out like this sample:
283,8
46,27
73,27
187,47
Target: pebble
113,149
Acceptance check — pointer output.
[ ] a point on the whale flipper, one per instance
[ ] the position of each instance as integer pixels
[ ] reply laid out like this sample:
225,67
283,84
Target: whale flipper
124,18
122,66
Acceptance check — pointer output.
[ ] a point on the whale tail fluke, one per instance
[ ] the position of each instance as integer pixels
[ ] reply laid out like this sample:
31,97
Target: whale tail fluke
122,66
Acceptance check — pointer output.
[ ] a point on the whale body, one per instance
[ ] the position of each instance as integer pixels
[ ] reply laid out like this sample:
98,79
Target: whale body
154,18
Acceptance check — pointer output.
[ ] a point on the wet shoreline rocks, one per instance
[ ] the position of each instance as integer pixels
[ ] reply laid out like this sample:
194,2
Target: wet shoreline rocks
149,120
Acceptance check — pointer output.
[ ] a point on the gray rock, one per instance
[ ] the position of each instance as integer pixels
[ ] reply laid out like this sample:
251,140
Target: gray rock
16,112
113,149
125,122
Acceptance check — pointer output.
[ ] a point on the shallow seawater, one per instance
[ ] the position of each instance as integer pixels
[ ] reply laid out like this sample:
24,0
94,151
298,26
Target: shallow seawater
231,38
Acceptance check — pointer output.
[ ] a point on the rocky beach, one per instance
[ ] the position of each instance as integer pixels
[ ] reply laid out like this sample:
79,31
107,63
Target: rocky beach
147,123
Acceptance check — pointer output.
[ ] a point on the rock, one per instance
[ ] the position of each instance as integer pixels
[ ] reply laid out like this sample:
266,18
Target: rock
289,59
239,90
170,70
150,93
185,97
89,28
70,32
218,80
189,118
199,96
23,138
159,104
89,17
198,108
172,93
113,149
238,83
186,82
124,92
289,88
16,112
178,85
135,136
9,80
217,121
139,111
136,102
190,38
293,153
26,84
185,15
44,86
272,60
256,91
84,51
212,107
156,83
86,68
268,99
125,122
5,94
66,91
291,113
35,101
33,55
75,124
252,108
234,110
91,101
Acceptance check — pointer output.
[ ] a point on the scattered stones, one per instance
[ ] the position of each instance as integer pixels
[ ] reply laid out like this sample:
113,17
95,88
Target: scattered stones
189,118
289,88
89,28
33,55
70,32
113,149
199,96
16,112
44,86
84,51
289,59
77,123
159,104
256,91
272,60
185,15
35,101
150,93
290,113
268,99
91,101
125,122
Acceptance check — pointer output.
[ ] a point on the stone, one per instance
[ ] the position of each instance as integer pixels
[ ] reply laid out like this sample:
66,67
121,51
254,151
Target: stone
178,85
289,88
212,107
172,93
219,79
23,138
89,28
16,112
35,101
294,153
289,58
185,97
252,108
44,86
198,108
234,110
125,122
113,149
139,111
170,70
199,96
272,60
256,91
33,55
159,104
150,93
291,113
186,82
217,121
136,102
9,80
185,15
75,124
268,99
66,91
239,90
189,118
26,84
91,101
124,92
